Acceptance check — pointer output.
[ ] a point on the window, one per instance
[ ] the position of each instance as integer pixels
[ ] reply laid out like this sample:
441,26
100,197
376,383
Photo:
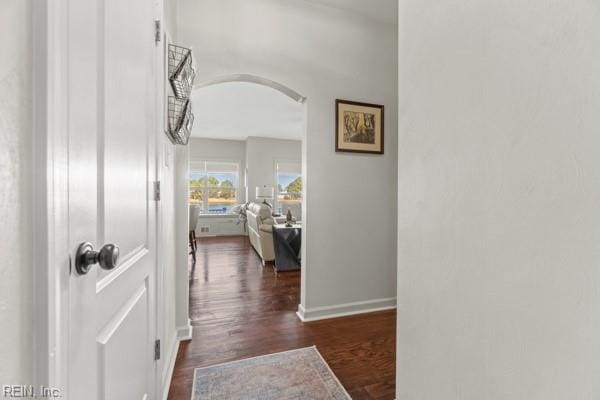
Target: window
289,188
214,186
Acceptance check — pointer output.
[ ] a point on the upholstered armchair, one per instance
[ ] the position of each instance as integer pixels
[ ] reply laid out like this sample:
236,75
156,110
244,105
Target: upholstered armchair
260,230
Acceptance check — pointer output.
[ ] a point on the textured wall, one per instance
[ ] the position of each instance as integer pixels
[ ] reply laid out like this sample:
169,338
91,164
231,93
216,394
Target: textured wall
499,187
15,195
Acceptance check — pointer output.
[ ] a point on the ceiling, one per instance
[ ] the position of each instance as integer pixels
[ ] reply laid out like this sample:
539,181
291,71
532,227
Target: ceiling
385,11
237,110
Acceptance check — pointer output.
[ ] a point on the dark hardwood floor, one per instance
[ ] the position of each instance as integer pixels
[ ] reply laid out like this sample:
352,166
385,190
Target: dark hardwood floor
240,309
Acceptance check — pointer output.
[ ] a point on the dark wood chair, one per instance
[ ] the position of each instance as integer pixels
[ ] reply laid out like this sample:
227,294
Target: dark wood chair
193,214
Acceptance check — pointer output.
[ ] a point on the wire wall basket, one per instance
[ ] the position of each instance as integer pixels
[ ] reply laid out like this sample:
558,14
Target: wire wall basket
181,120
181,71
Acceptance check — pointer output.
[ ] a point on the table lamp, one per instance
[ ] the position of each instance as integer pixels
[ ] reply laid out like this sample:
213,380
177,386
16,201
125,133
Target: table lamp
265,193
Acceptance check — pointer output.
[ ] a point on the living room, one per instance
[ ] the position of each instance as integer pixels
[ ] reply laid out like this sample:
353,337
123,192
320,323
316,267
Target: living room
245,164
255,170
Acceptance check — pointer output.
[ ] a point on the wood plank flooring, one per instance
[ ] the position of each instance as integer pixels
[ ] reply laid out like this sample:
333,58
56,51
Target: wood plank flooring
240,309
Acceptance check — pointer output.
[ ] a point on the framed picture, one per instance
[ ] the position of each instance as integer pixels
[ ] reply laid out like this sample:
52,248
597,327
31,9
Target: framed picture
358,127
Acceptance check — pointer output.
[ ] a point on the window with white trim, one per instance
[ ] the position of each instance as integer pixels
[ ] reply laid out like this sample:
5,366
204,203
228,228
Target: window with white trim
214,186
288,187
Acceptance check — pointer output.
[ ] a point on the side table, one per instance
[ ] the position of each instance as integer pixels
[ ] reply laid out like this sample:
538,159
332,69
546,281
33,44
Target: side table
287,242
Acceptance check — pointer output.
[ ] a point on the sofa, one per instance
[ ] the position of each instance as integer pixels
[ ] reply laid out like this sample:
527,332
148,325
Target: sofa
260,230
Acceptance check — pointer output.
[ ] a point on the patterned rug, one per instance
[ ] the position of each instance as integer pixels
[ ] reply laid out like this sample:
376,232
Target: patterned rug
299,374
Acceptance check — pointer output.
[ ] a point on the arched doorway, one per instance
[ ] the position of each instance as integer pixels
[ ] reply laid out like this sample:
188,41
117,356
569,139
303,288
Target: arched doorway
226,105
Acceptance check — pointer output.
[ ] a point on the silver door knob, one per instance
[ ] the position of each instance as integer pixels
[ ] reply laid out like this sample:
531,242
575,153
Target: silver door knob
86,256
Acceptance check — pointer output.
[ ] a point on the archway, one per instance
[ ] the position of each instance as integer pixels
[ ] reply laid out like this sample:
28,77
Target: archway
291,93
218,83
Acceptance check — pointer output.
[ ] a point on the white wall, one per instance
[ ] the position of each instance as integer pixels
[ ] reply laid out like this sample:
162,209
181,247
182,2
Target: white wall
170,18
499,224
323,53
16,274
182,286
261,156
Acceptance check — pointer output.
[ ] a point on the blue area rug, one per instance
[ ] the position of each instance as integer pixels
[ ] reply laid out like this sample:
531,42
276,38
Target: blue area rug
299,374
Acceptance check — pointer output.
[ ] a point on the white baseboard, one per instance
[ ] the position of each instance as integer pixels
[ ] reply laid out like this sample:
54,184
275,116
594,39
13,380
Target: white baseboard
342,310
171,366
185,332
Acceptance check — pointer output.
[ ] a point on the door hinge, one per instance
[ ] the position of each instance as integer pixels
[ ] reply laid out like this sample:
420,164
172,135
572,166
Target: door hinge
157,349
156,190
156,31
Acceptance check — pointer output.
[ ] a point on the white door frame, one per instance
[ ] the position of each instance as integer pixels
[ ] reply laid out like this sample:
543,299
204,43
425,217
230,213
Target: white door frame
51,253
50,189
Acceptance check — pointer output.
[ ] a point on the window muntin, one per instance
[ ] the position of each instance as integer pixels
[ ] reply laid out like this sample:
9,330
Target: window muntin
214,186
288,186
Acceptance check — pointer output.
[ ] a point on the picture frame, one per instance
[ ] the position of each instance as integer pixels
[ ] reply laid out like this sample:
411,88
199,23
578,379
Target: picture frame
359,127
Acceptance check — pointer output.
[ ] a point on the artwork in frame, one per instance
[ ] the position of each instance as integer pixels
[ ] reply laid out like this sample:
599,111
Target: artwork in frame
358,127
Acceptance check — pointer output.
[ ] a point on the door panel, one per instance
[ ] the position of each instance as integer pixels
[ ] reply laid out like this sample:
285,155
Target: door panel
111,168
121,353
127,119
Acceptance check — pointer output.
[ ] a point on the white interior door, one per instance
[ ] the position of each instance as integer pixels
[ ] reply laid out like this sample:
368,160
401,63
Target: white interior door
112,124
